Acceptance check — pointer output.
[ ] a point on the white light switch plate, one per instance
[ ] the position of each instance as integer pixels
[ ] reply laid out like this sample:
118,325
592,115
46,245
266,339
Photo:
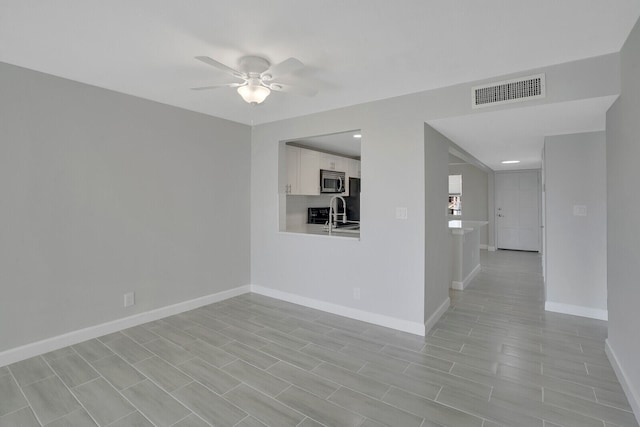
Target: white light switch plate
401,213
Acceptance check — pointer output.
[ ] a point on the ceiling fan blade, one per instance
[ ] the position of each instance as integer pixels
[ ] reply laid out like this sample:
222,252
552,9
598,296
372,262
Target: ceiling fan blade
220,66
217,86
296,90
287,66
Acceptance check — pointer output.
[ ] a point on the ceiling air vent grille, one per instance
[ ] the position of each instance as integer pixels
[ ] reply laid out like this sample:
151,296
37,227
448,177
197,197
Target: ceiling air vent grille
508,91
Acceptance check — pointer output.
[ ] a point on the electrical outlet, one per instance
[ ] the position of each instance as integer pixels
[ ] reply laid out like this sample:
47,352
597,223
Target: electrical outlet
579,210
401,213
129,299
356,293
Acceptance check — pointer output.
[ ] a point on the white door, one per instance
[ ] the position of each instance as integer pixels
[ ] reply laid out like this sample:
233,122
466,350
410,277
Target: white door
517,210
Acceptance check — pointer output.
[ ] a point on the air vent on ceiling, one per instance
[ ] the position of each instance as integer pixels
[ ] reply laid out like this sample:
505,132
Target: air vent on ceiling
508,91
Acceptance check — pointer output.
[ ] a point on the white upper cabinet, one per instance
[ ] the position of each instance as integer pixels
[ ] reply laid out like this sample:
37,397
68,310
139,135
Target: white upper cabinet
293,170
332,162
353,170
309,182
303,170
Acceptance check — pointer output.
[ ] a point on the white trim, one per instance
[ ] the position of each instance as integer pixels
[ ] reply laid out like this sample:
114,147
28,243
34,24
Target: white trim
460,286
483,246
74,337
633,396
491,248
437,315
576,310
353,313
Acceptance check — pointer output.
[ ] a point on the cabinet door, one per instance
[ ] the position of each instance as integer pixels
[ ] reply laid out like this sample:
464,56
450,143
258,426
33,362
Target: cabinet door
332,163
354,168
292,185
309,178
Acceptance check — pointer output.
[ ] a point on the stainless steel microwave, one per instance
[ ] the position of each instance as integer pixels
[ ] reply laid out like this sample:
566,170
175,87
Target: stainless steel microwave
332,181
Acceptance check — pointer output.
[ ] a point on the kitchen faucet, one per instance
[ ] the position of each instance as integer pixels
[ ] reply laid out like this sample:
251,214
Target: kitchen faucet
334,213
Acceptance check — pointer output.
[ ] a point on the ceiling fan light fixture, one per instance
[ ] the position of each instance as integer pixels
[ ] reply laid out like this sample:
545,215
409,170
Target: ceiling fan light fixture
254,93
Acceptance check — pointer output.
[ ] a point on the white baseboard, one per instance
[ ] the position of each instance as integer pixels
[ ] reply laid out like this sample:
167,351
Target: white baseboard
436,315
27,351
576,310
483,246
353,313
633,396
491,248
460,286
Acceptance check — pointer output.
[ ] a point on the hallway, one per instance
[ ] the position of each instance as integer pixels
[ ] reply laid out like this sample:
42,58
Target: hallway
494,359
535,364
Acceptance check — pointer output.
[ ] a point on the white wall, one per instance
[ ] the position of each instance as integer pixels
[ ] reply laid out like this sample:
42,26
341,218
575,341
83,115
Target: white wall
387,264
437,238
475,195
576,266
623,231
103,193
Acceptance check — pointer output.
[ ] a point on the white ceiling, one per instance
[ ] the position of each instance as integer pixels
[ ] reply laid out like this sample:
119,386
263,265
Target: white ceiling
342,143
518,133
355,51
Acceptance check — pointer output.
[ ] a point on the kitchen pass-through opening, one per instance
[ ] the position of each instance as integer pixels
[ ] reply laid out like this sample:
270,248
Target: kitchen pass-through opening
319,187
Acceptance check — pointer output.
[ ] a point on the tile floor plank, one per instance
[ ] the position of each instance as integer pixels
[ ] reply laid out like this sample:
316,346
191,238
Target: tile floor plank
430,409
374,409
21,418
208,405
255,361
30,370
159,407
134,420
264,408
256,378
318,409
102,401
209,376
11,398
78,418
311,382
92,350
163,374
118,372
73,370
50,399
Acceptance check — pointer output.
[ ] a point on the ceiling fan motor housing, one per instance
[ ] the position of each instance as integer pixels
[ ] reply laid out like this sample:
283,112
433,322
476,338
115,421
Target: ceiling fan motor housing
253,66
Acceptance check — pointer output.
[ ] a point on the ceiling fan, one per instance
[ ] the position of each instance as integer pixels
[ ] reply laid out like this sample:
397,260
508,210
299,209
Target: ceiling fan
260,77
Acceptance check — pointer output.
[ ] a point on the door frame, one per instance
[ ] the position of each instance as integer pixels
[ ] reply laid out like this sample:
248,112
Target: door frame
540,212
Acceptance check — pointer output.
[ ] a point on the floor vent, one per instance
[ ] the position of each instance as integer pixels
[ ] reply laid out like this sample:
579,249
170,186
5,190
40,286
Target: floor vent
508,91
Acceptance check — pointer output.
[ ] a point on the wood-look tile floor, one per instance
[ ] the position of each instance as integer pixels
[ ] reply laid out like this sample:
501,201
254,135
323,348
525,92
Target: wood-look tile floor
494,359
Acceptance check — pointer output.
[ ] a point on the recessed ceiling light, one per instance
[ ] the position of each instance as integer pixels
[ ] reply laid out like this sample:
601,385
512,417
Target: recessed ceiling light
509,162
357,135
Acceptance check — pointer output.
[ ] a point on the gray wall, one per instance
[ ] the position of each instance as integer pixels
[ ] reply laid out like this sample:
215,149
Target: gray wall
387,263
475,195
438,238
103,193
623,212
576,264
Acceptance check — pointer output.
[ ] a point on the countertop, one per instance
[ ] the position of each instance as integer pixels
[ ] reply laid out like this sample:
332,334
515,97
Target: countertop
318,230
462,227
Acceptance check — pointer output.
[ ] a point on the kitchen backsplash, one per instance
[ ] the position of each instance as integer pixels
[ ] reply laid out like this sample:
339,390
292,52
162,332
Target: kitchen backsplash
297,208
